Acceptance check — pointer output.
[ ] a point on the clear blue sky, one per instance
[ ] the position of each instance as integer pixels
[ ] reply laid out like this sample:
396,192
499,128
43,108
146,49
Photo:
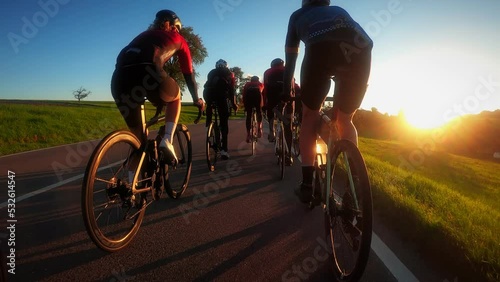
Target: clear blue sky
432,54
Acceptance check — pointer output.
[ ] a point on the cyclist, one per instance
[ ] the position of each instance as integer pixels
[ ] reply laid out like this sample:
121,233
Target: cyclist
139,74
252,98
273,90
335,45
220,88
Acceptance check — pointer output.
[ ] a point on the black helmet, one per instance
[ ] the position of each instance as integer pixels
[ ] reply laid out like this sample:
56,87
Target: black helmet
277,62
254,78
315,2
169,16
221,64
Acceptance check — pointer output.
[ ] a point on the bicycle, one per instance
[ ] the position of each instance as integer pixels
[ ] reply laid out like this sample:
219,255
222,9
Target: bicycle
213,140
342,188
281,149
295,135
254,130
113,209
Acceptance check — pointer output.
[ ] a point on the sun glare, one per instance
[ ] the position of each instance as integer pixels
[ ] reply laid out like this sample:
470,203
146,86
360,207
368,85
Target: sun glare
423,85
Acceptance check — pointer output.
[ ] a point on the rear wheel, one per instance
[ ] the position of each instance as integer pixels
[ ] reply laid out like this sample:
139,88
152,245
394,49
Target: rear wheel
348,220
176,178
112,215
295,140
254,131
212,147
282,151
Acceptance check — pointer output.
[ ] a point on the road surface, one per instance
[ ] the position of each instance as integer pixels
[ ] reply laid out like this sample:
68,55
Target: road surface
240,223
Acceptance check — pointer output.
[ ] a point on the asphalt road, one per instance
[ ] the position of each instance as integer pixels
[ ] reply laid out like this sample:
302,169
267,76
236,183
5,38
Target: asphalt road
240,223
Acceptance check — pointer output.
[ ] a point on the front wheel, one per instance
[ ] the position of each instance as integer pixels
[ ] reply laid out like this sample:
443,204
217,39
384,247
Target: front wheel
254,131
112,215
176,178
348,219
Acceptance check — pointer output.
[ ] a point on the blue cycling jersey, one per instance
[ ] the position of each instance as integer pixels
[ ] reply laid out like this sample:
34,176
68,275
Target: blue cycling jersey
314,24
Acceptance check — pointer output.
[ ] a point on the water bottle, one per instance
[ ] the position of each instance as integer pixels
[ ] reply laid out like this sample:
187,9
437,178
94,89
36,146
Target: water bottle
321,151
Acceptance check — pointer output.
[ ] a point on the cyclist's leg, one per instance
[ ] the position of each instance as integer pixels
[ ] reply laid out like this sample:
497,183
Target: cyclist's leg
224,123
168,93
350,88
270,117
315,84
126,89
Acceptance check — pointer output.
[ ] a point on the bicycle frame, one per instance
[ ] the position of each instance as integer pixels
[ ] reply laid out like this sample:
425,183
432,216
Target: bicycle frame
330,145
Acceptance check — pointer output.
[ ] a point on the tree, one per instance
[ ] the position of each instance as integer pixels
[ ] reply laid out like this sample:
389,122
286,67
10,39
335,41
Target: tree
240,80
198,55
81,93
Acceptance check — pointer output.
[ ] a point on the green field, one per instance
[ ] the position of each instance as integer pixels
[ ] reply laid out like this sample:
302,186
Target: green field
41,124
447,204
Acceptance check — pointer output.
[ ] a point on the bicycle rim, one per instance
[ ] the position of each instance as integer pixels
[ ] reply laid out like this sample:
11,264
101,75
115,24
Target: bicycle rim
349,219
211,148
295,141
110,218
253,133
282,153
177,178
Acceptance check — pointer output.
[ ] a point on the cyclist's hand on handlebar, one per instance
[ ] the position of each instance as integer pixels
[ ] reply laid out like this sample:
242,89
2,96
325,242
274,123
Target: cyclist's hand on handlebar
200,104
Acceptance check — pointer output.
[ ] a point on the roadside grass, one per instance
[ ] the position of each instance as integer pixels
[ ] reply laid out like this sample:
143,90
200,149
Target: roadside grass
30,125
448,204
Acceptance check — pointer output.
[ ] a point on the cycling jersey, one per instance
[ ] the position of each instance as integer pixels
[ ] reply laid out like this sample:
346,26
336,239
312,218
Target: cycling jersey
156,43
273,85
253,91
220,85
313,24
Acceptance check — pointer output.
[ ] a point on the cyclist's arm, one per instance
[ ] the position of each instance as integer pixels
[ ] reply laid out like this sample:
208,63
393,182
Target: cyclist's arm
191,85
292,43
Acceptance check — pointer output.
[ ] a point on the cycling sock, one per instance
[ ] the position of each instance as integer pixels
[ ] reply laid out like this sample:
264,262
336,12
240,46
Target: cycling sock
307,174
169,129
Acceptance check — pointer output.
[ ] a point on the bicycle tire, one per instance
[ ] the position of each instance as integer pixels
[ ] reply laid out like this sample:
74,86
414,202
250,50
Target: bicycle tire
212,147
176,179
346,224
296,141
282,152
253,132
106,169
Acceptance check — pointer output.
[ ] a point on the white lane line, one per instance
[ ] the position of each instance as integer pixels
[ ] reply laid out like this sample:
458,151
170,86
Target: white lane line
391,261
45,189
55,185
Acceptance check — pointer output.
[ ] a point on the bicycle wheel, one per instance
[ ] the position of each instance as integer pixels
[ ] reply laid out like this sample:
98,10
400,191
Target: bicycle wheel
212,147
176,178
112,216
348,222
295,140
253,131
282,151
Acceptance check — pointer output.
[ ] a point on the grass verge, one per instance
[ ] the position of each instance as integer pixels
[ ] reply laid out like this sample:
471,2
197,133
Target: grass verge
447,205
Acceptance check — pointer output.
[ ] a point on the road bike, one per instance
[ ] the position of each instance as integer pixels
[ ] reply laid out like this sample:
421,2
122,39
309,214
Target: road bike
113,206
342,188
214,137
296,135
281,149
254,130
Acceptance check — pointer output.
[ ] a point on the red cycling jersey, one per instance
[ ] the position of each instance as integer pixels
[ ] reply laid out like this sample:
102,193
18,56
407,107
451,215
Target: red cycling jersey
250,87
156,43
273,84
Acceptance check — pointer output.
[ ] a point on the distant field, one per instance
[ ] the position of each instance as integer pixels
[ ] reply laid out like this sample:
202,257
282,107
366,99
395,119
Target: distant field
448,204
30,125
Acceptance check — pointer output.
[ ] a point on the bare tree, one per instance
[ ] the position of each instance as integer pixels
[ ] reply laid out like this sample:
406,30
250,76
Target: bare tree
81,93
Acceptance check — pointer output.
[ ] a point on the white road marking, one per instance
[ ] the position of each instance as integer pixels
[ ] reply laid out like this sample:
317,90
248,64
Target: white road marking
391,261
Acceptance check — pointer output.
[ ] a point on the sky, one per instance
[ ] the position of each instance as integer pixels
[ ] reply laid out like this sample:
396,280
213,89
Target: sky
433,60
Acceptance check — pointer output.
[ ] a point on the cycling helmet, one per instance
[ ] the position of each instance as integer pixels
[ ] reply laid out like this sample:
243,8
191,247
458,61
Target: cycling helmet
315,2
169,16
221,64
277,62
254,78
